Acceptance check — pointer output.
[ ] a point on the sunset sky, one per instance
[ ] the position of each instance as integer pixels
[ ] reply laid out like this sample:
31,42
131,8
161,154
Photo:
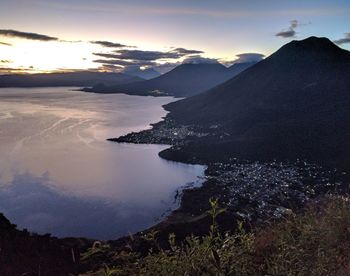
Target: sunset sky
47,35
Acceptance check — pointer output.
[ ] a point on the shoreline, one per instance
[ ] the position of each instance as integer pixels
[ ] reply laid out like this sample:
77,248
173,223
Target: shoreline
252,191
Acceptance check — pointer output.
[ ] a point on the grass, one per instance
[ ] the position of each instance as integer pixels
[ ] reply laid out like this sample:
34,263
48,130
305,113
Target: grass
316,242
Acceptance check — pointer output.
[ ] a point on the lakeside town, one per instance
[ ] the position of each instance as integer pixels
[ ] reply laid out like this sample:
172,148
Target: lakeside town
165,132
257,190
174,138
251,190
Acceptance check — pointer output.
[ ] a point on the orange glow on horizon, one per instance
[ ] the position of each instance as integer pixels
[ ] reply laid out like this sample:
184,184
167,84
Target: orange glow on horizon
29,56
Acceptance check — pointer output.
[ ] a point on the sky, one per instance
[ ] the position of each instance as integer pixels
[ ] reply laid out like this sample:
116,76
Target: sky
116,35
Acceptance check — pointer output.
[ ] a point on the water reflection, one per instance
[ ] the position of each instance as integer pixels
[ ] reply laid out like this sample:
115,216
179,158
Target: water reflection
33,203
58,174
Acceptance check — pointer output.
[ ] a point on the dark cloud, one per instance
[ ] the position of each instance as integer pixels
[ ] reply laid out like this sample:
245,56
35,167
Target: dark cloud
344,40
106,55
139,55
136,58
249,57
244,58
140,58
131,58
31,36
5,61
110,67
9,70
127,68
5,44
69,70
109,44
184,52
286,34
199,60
3,69
124,62
146,55
290,32
161,68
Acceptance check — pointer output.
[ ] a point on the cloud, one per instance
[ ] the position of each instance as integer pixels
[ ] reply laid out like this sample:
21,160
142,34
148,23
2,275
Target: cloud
131,69
294,23
145,73
104,55
199,60
244,58
249,57
184,52
344,40
5,61
124,62
140,55
9,70
157,60
133,58
142,58
109,44
124,66
290,32
25,35
166,67
286,34
146,55
71,41
5,44
110,67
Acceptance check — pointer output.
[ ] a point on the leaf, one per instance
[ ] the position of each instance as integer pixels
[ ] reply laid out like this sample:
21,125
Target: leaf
216,257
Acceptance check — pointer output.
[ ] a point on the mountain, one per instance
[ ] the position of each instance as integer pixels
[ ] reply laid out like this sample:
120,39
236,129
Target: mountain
82,78
146,74
237,68
294,104
183,81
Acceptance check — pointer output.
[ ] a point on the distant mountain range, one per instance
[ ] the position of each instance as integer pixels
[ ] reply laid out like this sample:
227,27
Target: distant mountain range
83,78
145,74
183,81
294,104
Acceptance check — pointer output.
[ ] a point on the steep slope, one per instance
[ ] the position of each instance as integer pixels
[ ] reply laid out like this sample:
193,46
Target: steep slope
183,81
82,78
294,104
24,253
237,68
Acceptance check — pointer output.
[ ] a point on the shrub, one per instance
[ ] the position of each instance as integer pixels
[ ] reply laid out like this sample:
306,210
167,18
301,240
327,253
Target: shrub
316,242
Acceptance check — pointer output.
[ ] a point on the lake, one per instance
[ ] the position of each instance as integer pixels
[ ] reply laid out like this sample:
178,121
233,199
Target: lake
59,175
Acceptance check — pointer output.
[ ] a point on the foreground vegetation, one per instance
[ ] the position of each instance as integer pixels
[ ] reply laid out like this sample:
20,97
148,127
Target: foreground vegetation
25,253
316,242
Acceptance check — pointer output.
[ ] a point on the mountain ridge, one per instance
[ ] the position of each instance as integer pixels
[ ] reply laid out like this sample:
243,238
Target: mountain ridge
79,78
183,81
293,104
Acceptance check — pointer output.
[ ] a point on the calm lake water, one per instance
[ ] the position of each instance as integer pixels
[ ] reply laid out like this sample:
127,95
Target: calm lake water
59,175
